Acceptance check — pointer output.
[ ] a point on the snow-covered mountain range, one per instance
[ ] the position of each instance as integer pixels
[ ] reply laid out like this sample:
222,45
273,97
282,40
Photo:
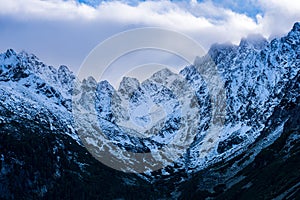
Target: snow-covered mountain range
261,84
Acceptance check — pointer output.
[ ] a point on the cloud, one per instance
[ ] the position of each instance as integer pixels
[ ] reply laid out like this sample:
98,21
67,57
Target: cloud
279,16
49,9
65,31
180,16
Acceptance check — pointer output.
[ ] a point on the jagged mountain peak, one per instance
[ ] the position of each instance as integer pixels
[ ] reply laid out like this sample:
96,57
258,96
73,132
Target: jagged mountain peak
296,27
32,63
27,71
255,41
10,52
104,86
224,46
24,58
217,50
29,56
163,72
292,38
128,85
63,68
90,81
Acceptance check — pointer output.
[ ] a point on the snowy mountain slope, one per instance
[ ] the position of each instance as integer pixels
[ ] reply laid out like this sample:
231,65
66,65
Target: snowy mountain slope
255,74
35,91
261,80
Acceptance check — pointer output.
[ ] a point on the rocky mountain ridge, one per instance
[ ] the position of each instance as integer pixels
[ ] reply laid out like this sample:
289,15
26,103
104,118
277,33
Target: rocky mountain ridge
261,80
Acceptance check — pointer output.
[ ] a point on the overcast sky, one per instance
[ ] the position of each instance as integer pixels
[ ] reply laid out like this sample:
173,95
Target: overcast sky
65,31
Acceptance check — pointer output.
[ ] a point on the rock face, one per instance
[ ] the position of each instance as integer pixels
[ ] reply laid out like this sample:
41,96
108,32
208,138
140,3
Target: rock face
259,134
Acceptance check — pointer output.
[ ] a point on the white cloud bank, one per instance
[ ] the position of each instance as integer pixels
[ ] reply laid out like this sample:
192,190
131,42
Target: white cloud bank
65,31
